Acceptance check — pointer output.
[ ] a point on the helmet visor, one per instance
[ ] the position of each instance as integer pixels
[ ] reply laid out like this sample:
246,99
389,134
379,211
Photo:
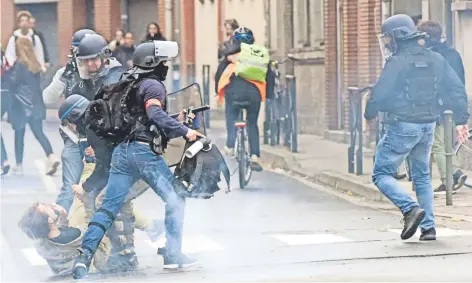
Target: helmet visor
387,45
91,67
165,50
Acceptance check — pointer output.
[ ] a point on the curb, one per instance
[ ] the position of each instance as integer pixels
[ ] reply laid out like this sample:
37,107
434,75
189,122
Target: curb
335,180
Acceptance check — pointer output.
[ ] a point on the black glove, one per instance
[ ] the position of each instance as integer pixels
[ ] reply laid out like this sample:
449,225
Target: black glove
69,71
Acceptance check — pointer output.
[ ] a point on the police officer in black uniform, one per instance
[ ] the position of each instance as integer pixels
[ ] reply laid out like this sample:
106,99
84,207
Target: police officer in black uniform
415,86
133,158
89,68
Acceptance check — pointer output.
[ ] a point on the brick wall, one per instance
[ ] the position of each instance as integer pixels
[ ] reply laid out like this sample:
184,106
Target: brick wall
330,18
107,17
8,21
71,16
187,38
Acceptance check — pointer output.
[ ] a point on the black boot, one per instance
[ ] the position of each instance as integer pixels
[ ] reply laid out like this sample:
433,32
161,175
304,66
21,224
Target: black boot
412,220
81,265
428,235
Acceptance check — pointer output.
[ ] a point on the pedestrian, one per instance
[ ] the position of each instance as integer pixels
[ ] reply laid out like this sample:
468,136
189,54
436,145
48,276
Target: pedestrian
241,82
77,78
153,32
133,158
47,61
124,53
411,102
24,31
5,104
116,42
229,26
27,105
435,43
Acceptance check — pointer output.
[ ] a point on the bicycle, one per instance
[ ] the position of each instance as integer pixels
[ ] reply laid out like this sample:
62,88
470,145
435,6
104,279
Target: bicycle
464,155
280,111
243,156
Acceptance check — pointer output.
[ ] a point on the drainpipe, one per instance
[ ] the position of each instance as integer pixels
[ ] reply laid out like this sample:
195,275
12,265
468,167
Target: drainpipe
448,21
339,76
169,36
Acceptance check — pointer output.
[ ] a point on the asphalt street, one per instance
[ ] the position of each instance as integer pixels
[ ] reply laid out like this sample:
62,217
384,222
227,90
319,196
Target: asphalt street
278,229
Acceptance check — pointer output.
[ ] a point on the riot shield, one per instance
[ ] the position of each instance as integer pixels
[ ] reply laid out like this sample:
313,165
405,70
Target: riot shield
184,98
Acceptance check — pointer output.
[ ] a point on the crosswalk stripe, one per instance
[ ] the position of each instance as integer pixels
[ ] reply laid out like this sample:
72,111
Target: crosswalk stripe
33,257
440,232
310,239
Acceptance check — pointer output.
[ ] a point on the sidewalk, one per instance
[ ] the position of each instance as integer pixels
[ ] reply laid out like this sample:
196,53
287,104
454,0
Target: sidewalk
326,162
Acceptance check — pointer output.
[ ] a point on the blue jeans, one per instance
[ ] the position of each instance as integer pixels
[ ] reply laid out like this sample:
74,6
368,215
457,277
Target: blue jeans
72,167
400,140
130,162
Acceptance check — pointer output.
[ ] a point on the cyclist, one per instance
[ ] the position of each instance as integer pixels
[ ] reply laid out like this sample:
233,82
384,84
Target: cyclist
244,78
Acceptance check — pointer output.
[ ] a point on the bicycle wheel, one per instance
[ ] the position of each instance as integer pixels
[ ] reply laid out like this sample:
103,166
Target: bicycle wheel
464,156
244,161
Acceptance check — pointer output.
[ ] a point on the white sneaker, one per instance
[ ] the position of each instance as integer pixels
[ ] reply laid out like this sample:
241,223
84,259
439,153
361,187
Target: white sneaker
18,170
53,163
229,151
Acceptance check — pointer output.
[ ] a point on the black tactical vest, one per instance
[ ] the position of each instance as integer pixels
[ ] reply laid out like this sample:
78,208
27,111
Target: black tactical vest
417,100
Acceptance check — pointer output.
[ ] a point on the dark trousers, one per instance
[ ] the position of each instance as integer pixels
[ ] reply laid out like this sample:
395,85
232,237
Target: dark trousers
36,126
251,101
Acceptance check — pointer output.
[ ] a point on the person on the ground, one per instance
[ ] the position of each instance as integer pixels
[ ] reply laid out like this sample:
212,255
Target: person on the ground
229,26
116,42
27,106
133,158
90,68
434,42
153,32
24,31
97,154
32,22
411,102
244,84
124,53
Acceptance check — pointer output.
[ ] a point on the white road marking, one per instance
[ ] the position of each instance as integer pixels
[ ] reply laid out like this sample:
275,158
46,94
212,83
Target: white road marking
440,232
310,239
33,257
48,182
190,244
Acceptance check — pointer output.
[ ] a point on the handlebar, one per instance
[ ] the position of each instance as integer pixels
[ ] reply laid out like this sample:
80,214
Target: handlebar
194,110
358,89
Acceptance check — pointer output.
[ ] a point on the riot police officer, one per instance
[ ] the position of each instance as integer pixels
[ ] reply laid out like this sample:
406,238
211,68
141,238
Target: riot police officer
133,158
90,67
415,85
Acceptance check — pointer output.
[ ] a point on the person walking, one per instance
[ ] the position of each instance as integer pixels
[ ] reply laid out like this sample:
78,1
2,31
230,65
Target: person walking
27,105
153,32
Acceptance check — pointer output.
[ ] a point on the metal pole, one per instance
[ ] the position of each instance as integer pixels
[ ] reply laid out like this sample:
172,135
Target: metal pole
359,121
448,144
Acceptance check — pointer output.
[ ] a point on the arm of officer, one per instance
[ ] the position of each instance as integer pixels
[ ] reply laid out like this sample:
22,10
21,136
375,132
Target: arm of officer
456,97
384,88
53,92
103,153
154,94
221,68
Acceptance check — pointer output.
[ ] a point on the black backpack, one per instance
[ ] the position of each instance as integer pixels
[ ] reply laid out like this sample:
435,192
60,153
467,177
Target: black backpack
109,115
201,174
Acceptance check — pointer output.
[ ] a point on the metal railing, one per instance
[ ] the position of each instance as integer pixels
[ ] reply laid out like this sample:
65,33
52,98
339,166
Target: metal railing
206,92
281,116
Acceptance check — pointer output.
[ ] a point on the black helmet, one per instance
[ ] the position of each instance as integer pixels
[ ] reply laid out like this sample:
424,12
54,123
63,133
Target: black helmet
149,54
243,34
79,35
92,46
73,108
400,27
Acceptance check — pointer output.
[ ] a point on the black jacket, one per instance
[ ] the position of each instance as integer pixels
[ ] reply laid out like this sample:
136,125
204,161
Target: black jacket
27,101
239,84
43,42
385,92
452,57
103,153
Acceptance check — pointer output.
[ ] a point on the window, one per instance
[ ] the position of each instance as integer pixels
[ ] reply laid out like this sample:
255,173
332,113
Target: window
308,23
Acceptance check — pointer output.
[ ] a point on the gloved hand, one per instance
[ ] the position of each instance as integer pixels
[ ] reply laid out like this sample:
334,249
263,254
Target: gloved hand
69,71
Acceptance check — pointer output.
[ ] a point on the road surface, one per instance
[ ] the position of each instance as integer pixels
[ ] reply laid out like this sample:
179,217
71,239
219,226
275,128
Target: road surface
278,229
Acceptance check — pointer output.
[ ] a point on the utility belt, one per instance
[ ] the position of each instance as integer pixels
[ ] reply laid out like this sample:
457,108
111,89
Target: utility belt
157,144
394,118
